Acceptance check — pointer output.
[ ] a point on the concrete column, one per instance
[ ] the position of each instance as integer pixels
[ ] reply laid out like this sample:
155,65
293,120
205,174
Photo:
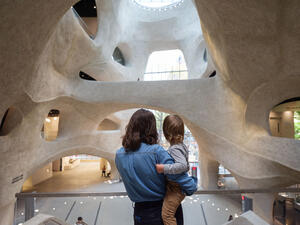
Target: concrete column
263,206
114,172
209,170
7,213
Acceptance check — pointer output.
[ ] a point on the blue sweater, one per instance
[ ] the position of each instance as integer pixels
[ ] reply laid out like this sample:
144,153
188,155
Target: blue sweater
139,175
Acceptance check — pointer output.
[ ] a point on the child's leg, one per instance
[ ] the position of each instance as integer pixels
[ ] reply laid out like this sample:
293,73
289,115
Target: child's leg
172,200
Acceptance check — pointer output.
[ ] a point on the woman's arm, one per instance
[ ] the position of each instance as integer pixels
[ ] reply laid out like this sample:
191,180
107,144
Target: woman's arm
180,165
187,184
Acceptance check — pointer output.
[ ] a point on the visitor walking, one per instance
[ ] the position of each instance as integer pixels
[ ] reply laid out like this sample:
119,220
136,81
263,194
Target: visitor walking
103,170
80,221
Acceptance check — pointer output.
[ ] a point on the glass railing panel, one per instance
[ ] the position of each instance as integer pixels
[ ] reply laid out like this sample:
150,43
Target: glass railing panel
211,207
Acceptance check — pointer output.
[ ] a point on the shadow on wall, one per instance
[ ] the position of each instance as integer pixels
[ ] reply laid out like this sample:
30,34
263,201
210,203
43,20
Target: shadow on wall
10,120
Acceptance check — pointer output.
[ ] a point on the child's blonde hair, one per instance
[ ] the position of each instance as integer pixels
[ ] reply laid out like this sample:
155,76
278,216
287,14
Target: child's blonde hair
173,128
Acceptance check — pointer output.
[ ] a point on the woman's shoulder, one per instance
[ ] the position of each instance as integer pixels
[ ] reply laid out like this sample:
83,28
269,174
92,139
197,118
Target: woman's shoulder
155,147
120,150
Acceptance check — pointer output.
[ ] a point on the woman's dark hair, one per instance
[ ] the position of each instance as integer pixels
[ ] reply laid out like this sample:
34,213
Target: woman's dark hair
141,128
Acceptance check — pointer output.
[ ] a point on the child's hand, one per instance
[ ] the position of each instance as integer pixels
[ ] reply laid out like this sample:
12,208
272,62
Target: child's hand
160,168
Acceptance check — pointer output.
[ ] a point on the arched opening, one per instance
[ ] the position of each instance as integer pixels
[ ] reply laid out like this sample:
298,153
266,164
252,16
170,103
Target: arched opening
118,56
51,125
11,119
86,13
284,119
166,65
108,124
74,172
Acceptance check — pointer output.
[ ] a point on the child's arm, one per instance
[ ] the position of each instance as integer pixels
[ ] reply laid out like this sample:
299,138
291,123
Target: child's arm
180,165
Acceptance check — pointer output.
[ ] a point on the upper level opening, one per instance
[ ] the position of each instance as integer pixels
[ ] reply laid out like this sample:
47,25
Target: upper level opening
284,119
51,125
157,3
118,56
166,65
86,13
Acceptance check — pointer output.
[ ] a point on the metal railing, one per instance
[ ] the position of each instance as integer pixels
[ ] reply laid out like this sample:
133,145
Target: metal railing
29,198
199,192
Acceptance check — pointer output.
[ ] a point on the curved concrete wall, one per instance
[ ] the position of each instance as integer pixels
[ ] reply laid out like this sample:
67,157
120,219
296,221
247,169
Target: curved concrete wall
253,44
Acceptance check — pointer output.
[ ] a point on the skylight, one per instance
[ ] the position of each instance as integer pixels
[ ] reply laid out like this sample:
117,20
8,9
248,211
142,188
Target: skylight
157,3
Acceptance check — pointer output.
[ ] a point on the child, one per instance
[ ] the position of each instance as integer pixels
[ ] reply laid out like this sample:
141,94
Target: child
173,129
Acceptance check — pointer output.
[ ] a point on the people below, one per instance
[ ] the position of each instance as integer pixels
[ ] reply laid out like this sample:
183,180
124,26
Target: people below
136,162
173,129
80,221
103,170
230,218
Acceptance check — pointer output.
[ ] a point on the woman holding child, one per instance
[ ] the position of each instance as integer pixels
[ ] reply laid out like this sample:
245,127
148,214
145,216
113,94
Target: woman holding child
143,179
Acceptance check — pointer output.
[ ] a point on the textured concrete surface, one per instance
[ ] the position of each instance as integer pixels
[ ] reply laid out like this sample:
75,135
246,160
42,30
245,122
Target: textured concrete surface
253,44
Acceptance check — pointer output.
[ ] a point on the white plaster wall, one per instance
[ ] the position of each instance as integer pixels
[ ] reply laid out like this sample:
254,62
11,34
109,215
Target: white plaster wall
256,58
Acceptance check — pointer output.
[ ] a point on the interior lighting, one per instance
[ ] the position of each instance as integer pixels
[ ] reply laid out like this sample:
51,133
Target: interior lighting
195,200
208,200
218,209
65,203
226,209
236,215
22,213
94,198
20,223
111,197
202,201
48,120
36,210
95,7
53,209
213,204
81,203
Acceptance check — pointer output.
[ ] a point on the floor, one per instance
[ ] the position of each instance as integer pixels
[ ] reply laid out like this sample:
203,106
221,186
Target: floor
198,209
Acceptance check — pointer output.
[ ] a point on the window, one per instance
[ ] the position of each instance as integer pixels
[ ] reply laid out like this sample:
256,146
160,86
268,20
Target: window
85,76
157,3
205,55
166,65
118,56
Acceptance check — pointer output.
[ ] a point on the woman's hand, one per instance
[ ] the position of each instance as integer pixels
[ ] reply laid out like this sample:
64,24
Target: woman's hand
160,168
